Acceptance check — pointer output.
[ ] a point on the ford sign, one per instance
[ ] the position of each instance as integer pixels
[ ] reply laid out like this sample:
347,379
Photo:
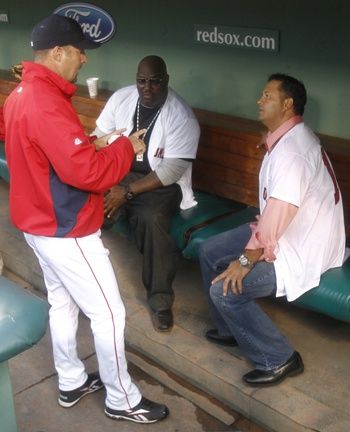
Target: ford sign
96,23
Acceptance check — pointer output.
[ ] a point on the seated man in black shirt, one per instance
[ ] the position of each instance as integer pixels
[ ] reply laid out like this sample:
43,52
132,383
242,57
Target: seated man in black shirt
159,181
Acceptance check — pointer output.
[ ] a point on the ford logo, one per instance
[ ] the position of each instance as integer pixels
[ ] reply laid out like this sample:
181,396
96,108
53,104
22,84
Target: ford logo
96,23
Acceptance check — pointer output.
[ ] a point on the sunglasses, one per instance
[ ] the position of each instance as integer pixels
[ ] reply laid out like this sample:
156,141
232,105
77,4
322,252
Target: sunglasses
151,81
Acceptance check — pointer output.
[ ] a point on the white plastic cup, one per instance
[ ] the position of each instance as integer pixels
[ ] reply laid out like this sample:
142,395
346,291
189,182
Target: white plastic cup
92,84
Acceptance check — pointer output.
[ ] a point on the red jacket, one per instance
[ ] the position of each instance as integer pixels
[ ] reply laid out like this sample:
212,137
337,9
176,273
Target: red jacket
57,178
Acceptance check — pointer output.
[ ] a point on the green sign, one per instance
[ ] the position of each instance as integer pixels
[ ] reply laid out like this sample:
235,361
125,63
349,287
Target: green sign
237,37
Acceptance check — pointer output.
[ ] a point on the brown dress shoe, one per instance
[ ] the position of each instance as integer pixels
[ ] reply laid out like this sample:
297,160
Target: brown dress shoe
162,320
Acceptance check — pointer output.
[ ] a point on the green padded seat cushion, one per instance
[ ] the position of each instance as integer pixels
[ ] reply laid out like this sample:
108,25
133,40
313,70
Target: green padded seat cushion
4,173
209,208
23,319
224,224
332,296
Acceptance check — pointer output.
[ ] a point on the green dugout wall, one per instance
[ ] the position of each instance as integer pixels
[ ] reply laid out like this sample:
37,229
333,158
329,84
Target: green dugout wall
314,46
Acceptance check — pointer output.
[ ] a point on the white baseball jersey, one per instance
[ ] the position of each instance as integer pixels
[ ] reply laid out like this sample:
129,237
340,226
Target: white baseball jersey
296,171
175,133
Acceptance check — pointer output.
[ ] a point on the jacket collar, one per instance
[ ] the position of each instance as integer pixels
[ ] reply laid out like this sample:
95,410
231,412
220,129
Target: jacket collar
33,70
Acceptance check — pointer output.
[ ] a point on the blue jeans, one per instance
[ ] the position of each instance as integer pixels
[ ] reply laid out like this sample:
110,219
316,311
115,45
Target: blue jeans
238,314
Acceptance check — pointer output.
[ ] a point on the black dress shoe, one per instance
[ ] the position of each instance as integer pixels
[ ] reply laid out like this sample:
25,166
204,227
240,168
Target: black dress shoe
293,366
214,336
162,320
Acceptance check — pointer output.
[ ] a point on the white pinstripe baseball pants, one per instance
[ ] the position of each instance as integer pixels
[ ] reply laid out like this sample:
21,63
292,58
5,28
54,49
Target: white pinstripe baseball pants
79,274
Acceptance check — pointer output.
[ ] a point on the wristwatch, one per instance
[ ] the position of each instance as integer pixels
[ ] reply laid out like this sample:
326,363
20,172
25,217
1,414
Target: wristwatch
244,261
128,195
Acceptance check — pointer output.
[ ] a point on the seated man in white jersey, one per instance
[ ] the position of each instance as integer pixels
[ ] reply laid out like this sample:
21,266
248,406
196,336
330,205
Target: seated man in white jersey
299,235
159,181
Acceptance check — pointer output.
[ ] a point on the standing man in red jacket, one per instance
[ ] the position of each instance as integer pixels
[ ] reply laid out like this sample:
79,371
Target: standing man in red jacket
58,177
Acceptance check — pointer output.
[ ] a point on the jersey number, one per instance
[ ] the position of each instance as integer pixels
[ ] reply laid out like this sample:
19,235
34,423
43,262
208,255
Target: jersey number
331,173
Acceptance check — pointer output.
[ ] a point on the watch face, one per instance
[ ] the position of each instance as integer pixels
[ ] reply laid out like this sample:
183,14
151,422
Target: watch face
129,195
243,260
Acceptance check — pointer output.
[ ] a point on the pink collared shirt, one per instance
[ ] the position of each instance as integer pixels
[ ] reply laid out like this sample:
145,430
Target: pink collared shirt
273,137
277,214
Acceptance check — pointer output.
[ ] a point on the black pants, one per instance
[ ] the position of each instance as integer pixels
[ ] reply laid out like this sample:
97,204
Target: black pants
149,215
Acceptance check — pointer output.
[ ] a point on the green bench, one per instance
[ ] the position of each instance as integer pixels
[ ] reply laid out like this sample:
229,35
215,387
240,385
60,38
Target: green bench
332,296
225,174
190,229
4,173
23,321
213,215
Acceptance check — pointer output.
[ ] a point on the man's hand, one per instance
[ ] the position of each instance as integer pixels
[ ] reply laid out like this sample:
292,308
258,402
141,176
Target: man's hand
232,277
113,200
104,140
138,144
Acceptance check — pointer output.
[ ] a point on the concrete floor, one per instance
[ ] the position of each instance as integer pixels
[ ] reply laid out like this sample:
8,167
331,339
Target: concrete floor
317,400
34,382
